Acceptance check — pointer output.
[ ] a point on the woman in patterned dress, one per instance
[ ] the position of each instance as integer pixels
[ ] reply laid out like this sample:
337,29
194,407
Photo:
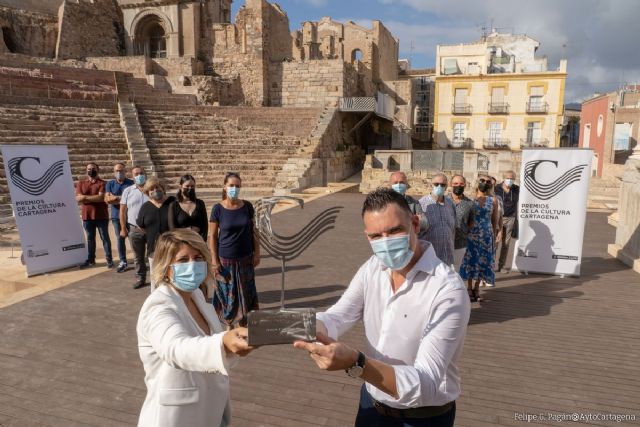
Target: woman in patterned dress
235,252
477,264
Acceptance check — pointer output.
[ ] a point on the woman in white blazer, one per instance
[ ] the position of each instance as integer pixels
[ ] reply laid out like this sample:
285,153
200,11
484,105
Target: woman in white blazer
186,354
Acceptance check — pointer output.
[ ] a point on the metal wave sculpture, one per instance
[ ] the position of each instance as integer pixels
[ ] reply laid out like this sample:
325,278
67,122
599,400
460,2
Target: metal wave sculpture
288,248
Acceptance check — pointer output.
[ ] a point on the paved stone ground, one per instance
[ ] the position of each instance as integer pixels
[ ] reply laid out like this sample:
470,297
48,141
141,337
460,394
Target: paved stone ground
537,344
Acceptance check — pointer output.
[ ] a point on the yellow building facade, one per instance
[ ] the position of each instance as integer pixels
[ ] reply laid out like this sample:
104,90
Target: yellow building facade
488,98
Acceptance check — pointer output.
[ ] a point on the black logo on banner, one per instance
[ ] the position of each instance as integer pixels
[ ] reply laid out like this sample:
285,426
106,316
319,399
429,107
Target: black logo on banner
552,189
38,186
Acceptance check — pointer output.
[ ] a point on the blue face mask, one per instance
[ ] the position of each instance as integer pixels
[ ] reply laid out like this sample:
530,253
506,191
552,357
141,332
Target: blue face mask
508,182
438,191
399,188
189,276
233,192
140,179
393,252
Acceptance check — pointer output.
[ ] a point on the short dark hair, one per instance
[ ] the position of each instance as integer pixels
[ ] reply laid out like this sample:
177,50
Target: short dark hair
94,164
382,197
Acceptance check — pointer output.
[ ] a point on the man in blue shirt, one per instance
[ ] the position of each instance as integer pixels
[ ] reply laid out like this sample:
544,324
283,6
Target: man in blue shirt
113,191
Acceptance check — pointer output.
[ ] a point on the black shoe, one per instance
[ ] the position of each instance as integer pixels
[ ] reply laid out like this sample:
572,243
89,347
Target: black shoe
121,267
109,264
139,284
87,263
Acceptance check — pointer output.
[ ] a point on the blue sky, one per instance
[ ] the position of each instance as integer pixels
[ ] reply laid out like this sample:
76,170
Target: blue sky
598,37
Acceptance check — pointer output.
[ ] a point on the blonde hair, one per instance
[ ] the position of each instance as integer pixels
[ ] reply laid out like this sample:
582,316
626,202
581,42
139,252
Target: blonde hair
167,247
151,183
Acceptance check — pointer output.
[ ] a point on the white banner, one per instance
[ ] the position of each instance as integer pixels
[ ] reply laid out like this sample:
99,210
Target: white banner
44,206
552,210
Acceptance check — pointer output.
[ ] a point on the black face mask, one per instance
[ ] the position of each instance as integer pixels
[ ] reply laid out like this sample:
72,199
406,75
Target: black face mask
188,192
458,190
92,173
484,186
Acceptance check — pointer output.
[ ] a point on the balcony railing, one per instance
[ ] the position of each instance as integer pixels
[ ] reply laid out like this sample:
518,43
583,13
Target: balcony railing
537,107
541,142
461,109
461,143
496,143
498,108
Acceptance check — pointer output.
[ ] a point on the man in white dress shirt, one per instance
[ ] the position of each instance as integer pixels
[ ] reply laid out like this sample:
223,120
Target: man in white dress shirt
415,310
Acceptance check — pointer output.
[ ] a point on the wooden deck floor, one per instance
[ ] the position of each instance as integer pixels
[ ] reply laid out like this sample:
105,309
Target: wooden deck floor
536,345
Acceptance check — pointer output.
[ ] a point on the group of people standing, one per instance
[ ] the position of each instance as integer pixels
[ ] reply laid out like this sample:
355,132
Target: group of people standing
473,233
412,302
141,209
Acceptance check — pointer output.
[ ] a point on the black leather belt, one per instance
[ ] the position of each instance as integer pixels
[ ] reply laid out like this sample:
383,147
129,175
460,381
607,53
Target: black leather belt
421,412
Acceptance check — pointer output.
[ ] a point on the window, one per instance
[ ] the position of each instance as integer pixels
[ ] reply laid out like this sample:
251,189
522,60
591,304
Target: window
586,140
535,100
495,132
534,132
356,55
497,96
422,116
461,97
621,136
450,66
459,132
600,125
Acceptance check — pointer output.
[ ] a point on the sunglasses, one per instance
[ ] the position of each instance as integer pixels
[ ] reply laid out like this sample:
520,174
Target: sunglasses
440,184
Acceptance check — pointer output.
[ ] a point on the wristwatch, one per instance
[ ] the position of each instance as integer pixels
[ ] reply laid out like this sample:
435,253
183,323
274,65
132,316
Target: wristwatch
356,370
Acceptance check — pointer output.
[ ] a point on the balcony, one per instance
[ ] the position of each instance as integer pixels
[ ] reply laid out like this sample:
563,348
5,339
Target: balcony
496,143
537,107
498,108
533,143
461,143
461,109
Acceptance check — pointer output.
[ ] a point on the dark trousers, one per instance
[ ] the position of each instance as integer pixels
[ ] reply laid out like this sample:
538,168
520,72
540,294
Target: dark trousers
122,245
507,228
369,417
103,228
138,241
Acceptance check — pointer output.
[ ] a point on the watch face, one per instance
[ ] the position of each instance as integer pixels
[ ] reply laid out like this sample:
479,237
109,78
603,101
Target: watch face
355,371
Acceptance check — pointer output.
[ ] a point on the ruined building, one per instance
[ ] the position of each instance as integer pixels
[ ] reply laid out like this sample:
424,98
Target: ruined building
176,86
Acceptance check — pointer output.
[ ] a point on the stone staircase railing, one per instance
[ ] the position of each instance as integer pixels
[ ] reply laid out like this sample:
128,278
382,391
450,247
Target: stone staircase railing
136,142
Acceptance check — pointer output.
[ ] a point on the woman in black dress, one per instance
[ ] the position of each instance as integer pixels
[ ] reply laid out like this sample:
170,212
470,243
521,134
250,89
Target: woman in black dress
153,218
187,211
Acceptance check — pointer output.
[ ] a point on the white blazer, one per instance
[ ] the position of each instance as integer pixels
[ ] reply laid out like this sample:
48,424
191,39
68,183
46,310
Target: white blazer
185,369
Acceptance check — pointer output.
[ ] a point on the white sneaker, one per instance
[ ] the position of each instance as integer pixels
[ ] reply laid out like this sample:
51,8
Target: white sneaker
490,285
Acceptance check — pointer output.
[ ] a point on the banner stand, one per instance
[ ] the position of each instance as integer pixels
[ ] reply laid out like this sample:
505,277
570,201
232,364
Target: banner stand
552,211
45,207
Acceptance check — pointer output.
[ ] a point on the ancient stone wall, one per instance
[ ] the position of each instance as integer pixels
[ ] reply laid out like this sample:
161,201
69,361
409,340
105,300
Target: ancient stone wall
139,66
212,90
28,33
386,48
90,29
308,83
237,52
